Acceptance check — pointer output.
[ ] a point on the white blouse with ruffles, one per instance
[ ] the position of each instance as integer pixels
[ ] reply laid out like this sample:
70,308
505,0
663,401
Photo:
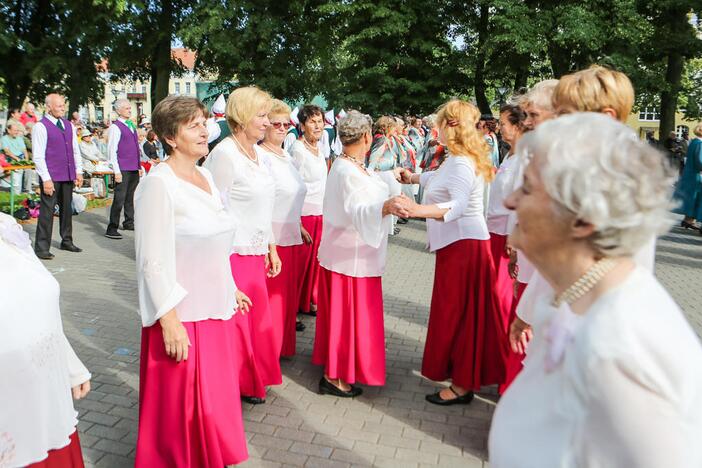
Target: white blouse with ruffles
290,191
313,170
355,232
38,364
183,239
250,190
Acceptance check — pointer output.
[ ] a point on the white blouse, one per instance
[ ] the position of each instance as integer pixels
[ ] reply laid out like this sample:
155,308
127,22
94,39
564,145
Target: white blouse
624,390
454,185
355,232
250,190
290,191
313,170
183,239
39,366
501,187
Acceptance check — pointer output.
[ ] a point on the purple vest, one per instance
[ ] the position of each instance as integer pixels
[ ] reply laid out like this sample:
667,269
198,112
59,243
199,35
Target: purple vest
59,151
127,149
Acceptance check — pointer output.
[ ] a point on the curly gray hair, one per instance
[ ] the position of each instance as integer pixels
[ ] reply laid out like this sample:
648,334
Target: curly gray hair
353,126
596,168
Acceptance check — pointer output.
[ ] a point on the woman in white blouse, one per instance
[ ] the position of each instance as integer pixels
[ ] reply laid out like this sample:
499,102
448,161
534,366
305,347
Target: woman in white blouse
349,339
512,128
189,413
243,174
465,341
613,376
290,190
40,370
313,168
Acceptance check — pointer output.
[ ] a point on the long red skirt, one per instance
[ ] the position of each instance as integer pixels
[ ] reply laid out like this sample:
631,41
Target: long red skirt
349,338
190,412
284,298
70,456
310,263
257,347
514,360
465,340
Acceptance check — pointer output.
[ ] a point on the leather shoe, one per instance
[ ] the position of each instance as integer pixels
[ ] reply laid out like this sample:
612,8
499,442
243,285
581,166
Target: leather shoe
252,400
128,227
113,234
45,255
70,247
328,388
436,399
299,326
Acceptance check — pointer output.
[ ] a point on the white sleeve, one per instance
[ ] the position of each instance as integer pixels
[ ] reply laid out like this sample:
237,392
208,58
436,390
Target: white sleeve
425,177
154,235
631,419
289,141
113,136
77,372
39,139
367,218
459,184
393,185
536,288
77,159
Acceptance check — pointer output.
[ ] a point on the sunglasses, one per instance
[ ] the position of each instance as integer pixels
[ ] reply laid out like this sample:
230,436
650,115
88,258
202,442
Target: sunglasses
278,125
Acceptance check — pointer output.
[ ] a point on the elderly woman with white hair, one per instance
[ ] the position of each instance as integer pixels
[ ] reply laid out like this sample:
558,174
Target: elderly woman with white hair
614,371
349,340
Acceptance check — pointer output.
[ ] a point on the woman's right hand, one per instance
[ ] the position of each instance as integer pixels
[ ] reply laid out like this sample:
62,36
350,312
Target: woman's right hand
406,176
306,238
175,336
519,335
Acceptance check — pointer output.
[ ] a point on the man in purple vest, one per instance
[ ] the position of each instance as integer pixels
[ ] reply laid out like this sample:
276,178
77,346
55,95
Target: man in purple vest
123,154
58,164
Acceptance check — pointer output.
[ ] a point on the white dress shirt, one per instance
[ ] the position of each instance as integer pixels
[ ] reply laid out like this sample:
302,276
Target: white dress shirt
313,170
39,140
454,185
501,187
625,391
290,191
183,238
113,136
355,232
38,364
250,192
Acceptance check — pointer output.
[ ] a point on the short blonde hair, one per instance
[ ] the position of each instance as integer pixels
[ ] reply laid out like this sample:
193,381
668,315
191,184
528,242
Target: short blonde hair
278,107
462,138
698,130
384,125
540,95
243,105
593,90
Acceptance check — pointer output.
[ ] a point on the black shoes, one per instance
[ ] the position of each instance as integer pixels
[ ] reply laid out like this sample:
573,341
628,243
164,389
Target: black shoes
70,247
299,326
328,388
435,398
113,234
45,255
253,400
686,225
127,227
402,221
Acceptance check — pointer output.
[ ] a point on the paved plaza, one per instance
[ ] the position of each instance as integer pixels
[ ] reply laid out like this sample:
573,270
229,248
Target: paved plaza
389,426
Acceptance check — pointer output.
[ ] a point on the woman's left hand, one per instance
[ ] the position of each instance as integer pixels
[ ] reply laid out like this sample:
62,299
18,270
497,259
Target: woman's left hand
80,391
243,303
273,264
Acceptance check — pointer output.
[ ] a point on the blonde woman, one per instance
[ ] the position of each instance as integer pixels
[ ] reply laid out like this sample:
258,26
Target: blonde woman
464,337
245,177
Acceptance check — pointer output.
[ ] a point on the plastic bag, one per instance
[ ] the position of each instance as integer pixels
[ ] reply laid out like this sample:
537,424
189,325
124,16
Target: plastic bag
79,203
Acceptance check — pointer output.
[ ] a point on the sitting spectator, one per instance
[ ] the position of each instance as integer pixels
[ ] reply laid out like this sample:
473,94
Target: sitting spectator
29,114
14,119
100,140
89,152
15,151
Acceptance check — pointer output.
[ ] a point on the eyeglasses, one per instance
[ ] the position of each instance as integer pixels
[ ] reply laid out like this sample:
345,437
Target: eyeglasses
278,125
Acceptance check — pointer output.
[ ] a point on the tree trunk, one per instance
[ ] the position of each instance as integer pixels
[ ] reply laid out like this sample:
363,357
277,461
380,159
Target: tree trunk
479,81
161,60
520,79
669,96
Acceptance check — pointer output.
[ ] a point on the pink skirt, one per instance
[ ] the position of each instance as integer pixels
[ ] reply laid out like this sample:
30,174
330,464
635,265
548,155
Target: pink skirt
309,262
350,338
514,360
190,412
465,339
284,298
257,347
70,456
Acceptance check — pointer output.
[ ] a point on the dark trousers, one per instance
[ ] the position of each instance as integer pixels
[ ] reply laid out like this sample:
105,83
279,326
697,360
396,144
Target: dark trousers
63,195
124,197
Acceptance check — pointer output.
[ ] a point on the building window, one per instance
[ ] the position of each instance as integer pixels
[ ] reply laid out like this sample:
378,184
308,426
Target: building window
143,89
649,114
187,88
177,88
680,129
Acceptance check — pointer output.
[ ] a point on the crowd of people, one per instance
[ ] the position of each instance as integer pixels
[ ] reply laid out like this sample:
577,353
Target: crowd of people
543,223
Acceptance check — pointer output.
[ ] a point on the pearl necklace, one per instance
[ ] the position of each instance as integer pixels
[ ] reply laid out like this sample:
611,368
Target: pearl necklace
586,282
313,149
246,153
355,161
270,149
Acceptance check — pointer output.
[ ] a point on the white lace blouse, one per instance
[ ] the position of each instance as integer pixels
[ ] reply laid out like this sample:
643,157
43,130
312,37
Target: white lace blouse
290,191
355,232
501,187
313,170
623,389
39,366
183,239
249,189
